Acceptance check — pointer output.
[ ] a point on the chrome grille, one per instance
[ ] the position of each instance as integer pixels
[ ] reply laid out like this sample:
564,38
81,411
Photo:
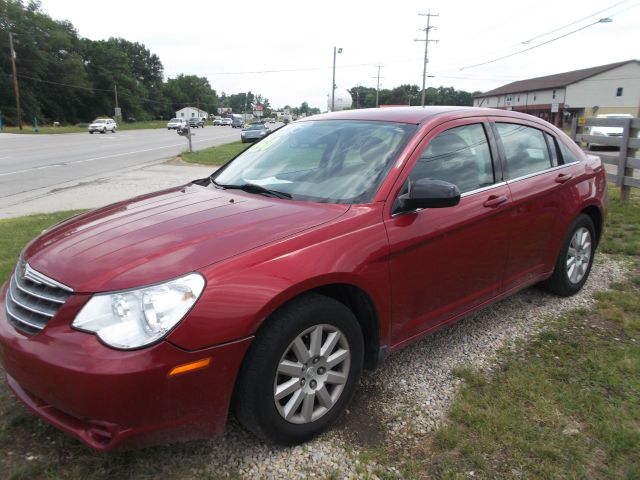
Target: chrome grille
33,299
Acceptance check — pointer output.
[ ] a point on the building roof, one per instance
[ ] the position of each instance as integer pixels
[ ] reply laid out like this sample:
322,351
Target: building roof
552,81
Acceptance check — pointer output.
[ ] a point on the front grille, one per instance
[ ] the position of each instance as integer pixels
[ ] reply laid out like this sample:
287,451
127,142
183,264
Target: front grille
33,299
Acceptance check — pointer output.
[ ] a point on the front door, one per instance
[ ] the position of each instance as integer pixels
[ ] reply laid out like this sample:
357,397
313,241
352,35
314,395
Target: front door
444,262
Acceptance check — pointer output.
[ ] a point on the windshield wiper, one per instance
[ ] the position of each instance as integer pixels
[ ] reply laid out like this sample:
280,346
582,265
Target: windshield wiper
253,188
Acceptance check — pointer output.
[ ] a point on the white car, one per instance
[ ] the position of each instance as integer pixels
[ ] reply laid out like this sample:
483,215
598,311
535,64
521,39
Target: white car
607,131
176,124
103,125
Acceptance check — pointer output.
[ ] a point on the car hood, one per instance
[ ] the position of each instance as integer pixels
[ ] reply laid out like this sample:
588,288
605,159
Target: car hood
160,236
98,125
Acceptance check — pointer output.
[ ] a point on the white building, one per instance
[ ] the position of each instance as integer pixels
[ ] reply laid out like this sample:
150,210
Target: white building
612,88
191,112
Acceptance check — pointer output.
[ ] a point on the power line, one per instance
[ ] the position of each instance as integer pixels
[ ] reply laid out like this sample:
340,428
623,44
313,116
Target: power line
531,48
602,20
573,23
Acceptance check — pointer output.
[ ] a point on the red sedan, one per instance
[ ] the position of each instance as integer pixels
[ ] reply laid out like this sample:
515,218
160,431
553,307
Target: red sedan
269,286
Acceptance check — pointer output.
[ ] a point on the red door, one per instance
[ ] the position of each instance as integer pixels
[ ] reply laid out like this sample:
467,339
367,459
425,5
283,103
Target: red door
444,262
539,190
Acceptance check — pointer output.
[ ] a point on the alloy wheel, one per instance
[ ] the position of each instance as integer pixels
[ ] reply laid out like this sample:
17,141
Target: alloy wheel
312,374
579,255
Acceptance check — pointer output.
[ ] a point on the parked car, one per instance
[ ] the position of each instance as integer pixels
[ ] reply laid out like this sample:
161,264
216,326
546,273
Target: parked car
237,122
103,125
176,124
227,121
607,131
217,121
195,122
268,286
254,132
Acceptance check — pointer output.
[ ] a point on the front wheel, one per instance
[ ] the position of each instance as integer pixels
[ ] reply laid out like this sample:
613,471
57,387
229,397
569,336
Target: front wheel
576,257
301,370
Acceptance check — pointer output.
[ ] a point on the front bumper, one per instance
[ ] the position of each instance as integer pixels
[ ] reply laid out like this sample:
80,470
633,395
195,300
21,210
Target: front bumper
110,398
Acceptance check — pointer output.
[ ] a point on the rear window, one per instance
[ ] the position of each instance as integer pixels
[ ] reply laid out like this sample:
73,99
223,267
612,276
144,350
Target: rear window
525,149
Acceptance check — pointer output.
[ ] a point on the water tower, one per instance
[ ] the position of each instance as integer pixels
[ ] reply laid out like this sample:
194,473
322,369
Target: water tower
342,100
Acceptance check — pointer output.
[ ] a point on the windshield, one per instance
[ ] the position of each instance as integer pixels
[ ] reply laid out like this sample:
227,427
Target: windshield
174,120
332,161
257,126
100,121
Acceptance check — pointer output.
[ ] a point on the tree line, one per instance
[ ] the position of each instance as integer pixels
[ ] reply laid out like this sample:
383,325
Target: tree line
66,78
365,97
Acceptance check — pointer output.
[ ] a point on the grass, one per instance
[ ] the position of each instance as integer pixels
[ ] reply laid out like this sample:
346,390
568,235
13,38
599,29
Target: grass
215,155
15,233
82,128
623,224
564,405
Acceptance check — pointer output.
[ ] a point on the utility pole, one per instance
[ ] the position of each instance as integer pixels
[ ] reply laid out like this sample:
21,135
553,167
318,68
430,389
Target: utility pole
426,49
333,85
378,84
15,80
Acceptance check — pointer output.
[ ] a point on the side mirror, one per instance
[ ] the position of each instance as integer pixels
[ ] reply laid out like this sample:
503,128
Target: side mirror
427,193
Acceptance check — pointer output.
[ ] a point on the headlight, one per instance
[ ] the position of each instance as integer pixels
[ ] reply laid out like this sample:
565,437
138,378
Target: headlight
135,318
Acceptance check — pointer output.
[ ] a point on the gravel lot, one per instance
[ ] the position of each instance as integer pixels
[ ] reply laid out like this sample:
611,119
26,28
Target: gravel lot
408,395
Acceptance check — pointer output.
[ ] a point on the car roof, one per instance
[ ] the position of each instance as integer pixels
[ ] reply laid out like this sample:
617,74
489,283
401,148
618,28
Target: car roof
413,115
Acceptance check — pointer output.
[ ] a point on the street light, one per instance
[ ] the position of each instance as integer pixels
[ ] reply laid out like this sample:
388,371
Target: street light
333,85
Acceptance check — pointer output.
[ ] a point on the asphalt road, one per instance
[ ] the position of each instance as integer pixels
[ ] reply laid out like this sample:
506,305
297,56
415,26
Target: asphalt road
30,164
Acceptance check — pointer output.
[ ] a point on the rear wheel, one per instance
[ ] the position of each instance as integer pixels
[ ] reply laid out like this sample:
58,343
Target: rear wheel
576,257
301,370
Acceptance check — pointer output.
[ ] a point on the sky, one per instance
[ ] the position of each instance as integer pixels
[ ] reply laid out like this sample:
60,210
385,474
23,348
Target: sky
230,42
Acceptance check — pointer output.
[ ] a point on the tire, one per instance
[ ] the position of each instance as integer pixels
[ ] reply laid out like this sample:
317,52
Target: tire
313,398
91,133
104,130
566,279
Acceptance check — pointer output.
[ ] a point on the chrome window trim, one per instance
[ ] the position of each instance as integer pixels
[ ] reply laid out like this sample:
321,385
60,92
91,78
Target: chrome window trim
483,189
541,172
462,195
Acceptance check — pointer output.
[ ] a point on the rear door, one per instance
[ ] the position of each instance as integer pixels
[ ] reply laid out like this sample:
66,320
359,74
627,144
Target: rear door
539,183
446,261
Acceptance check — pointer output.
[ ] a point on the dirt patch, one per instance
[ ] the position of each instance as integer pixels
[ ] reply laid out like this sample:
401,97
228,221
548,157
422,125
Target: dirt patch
177,161
363,422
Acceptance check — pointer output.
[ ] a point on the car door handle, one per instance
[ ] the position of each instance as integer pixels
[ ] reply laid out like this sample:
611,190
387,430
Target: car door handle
493,201
563,177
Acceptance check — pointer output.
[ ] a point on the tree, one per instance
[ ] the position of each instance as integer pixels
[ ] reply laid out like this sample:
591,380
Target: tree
189,90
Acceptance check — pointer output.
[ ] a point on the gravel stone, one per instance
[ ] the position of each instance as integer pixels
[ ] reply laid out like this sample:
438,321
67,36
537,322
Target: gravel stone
410,392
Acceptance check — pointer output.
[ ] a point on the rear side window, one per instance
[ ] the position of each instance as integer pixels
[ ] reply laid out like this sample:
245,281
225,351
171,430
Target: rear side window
525,149
460,156
567,155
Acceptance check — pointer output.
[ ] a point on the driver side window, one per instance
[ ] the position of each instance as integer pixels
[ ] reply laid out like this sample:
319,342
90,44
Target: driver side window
460,156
